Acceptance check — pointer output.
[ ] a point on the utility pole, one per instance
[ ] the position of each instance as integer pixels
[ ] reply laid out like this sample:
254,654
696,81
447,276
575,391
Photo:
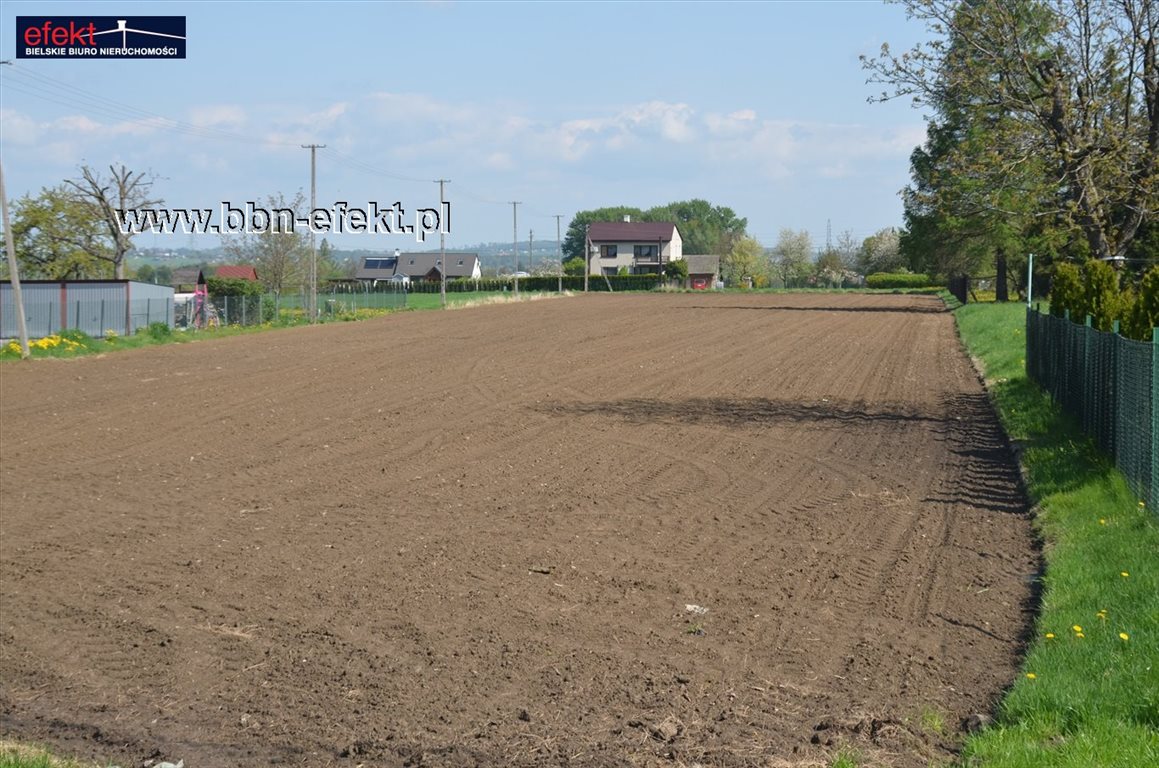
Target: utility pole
313,240
442,244
531,251
587,254
559,252
14,271
515,244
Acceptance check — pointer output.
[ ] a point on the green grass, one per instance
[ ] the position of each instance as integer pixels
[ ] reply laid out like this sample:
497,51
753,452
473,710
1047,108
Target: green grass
846,758
76,343
14,755
1091,698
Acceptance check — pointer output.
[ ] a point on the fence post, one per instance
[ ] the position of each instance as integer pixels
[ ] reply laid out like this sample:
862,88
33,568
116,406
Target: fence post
243,303
1029,346
1089,417
148,312
1113,389
1153,486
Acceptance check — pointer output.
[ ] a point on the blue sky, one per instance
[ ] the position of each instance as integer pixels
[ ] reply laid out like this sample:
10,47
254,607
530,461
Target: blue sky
562,106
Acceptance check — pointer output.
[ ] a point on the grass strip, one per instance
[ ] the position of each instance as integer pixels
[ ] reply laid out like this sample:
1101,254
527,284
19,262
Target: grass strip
1089,692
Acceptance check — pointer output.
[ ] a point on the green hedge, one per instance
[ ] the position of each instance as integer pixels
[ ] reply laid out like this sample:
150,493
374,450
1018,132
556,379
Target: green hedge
898,280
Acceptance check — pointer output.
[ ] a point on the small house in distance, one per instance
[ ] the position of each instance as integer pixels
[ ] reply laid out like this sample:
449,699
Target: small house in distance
237,272
703,271
401,267
641,247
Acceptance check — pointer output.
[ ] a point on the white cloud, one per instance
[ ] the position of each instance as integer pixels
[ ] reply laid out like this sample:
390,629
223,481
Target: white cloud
18,128
217,115
500,161
733,124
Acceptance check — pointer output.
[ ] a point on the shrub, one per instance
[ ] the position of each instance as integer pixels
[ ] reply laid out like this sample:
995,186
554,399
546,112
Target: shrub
1066,291
1142,315
1101,297
159,331
898,280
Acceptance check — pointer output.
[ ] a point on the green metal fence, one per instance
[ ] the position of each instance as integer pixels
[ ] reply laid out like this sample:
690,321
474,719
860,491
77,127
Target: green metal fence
1109,383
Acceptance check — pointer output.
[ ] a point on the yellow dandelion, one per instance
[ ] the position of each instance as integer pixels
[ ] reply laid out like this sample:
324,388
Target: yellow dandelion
1049,635
1079,634
1102,521
1030,676
1124,574
1102,614
1124,636
1077,628
1141,504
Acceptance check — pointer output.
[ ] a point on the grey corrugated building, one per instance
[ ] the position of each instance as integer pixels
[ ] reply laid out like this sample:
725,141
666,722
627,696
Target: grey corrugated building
93,306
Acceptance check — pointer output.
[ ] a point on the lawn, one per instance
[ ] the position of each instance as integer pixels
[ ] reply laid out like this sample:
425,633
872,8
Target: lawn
1089,692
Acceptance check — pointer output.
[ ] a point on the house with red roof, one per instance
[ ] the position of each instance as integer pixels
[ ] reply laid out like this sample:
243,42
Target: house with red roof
641,247
237,272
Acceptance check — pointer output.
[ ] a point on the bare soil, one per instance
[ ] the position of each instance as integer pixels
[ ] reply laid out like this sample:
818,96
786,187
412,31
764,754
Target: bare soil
609,530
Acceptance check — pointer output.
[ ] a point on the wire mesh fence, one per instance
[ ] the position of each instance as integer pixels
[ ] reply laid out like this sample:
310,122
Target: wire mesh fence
286,308
1109,383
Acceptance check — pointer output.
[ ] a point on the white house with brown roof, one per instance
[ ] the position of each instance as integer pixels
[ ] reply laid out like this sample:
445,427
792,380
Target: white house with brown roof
643,247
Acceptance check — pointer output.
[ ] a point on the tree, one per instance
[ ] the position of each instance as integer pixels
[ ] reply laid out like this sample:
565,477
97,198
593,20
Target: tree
792,256
573,266
1077,87
741,261
163,275
880,252
56,238
105,200
847,249
704,228
830,267
146,273
280,252
676,270
328,267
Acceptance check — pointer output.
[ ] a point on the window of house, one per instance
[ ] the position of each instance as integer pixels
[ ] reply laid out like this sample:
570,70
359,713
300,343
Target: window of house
645,252
609,251
611,271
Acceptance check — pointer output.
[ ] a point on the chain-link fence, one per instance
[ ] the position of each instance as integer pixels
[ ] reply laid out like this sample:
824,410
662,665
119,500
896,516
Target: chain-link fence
1109,383
286,308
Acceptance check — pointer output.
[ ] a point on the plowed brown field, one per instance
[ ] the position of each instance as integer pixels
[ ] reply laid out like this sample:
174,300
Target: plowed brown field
608,530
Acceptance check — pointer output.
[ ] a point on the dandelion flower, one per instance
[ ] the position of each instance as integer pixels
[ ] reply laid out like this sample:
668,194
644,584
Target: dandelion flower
1124,636
1049,635
1102,614
1141,504
1077,628
1102,521
1030,676
1079,634
1124,574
